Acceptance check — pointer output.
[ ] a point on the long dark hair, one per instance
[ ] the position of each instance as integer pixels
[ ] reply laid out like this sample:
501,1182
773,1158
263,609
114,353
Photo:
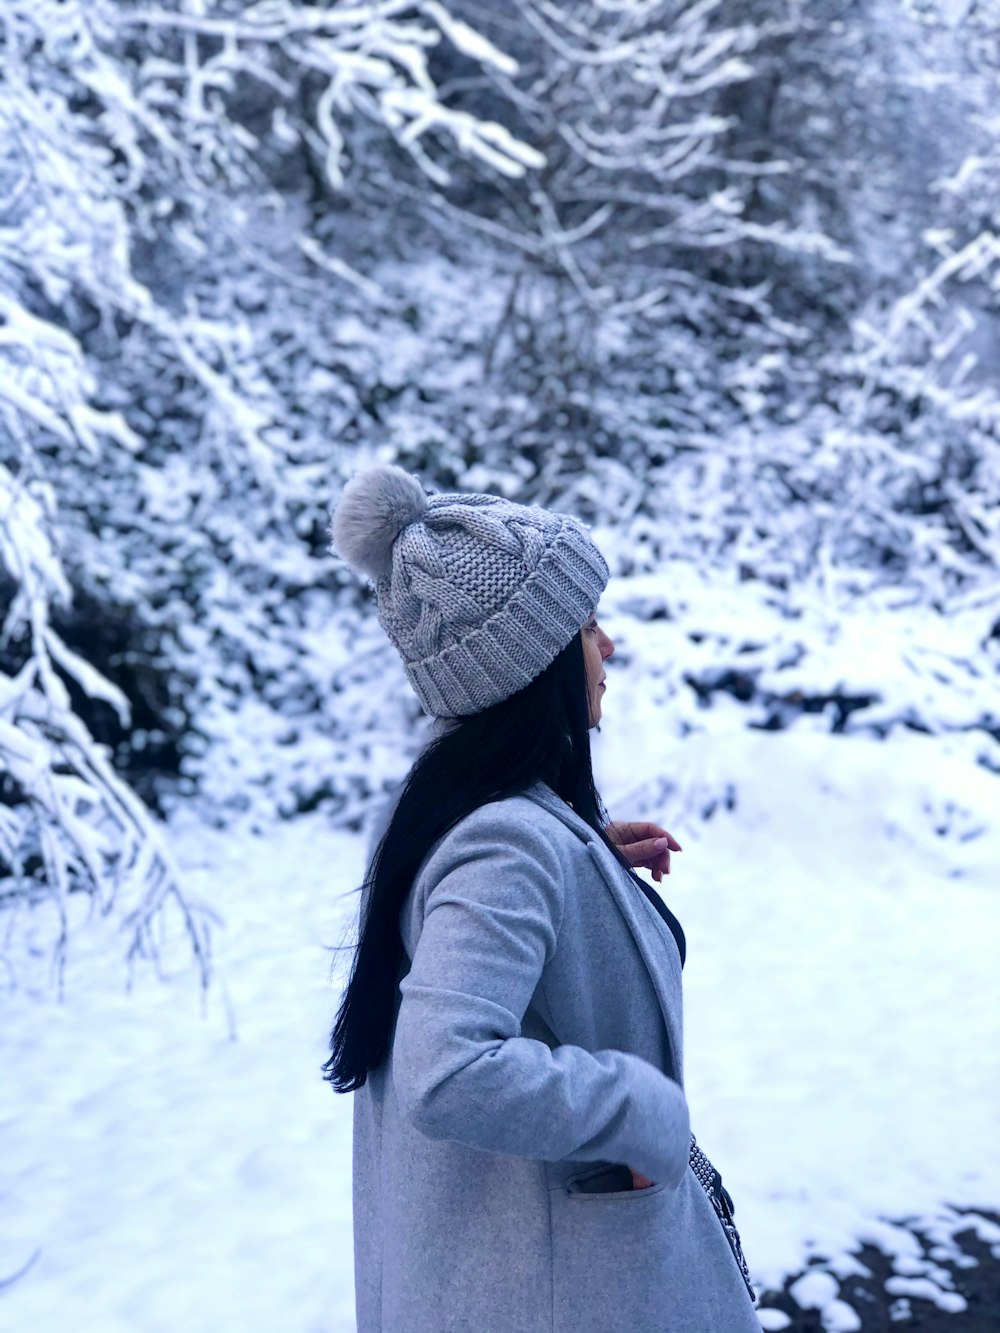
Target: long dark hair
539,734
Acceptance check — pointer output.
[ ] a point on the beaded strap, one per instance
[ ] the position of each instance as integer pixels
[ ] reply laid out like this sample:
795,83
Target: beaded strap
711,1182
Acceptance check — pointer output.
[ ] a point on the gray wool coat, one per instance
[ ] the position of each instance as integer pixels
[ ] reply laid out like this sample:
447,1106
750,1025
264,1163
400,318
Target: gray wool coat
538,1041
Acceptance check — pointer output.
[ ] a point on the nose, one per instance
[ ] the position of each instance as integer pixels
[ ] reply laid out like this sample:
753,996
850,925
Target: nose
607,646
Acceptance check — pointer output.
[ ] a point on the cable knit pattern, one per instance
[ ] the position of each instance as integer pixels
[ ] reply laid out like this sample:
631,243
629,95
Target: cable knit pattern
482,594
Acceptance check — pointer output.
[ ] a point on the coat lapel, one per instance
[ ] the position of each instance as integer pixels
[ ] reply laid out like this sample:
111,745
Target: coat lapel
662,962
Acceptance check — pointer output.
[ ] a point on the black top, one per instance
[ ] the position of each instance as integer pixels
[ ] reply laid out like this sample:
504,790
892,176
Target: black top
675,926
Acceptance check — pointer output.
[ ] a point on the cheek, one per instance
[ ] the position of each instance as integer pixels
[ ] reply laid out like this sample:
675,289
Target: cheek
593,660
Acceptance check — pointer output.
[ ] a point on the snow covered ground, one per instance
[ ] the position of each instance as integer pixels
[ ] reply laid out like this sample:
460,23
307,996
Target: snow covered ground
170,1164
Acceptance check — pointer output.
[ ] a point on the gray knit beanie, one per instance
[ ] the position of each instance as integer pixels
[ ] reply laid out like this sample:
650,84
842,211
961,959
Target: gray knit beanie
477,594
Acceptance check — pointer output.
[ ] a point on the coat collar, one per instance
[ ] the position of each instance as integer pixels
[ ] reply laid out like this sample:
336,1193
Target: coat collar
662,963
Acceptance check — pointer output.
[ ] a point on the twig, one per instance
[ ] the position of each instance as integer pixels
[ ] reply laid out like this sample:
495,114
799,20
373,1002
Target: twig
21,1272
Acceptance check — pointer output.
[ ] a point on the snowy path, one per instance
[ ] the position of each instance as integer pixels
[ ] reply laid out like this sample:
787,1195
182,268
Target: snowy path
843,1014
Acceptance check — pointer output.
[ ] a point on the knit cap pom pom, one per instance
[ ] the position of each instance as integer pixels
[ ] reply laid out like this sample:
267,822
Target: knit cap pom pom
373,510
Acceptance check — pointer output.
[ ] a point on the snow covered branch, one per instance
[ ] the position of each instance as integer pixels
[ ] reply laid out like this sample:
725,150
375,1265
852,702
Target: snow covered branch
371,59
134,392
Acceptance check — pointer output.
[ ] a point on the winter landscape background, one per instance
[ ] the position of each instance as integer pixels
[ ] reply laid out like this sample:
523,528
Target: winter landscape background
723,279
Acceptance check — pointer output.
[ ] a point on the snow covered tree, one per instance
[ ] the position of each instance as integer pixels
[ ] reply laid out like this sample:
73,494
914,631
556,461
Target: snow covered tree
160,497
650,262
638,263
919,389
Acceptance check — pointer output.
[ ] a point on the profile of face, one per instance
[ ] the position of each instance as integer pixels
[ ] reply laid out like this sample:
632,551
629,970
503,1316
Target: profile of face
597,648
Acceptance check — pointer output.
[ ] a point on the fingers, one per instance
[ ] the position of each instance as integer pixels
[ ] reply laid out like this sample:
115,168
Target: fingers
640,853
652,854
639,1181
635,830
643,832
644,845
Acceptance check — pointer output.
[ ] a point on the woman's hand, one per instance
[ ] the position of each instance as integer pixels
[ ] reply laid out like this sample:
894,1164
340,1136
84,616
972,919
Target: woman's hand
643,844
640,1182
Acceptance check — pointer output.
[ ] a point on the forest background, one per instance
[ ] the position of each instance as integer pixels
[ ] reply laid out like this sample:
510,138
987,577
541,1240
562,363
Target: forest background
723,279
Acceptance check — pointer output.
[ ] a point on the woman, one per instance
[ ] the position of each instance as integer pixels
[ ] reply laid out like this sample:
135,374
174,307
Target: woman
512,1026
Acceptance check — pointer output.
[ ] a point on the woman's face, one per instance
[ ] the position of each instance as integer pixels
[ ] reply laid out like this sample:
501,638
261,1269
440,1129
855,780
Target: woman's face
597,648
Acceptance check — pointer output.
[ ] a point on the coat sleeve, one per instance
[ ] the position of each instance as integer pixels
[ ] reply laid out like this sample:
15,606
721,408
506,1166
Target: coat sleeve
493,896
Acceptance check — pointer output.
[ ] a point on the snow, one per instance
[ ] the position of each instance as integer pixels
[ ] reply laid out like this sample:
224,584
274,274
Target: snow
172,1174
817,1290
798,483
468,41
814,1290
773,1320
950,1301
180,1164
840,995
839,1317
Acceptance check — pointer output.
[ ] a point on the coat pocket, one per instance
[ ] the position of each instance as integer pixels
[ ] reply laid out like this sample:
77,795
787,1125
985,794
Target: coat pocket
614,1179
609,1178
609,1252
